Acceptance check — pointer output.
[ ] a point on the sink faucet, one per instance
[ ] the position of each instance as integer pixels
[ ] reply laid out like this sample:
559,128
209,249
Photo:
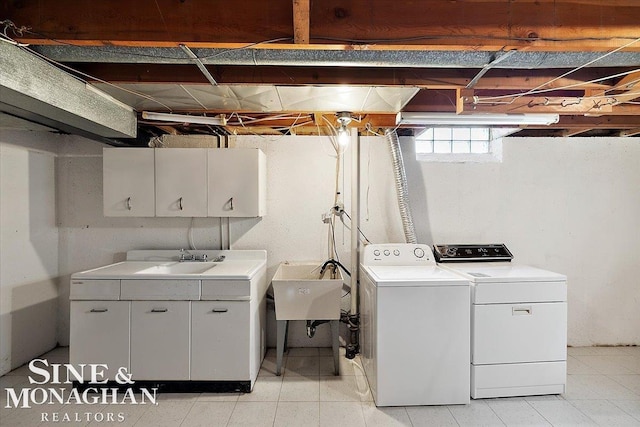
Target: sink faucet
185,255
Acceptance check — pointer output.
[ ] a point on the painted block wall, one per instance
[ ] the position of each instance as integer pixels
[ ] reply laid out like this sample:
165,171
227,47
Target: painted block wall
29,306
570,205
567,205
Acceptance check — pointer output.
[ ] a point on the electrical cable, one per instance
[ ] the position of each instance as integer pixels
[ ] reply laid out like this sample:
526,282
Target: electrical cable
532,91
473,37
366,240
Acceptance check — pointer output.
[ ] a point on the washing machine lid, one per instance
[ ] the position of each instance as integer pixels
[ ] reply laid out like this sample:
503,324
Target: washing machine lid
387,275
500,272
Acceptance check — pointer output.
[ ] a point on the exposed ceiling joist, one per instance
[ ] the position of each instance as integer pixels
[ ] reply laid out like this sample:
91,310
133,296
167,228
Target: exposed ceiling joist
450,25
301,21
428,78
630,132
583,54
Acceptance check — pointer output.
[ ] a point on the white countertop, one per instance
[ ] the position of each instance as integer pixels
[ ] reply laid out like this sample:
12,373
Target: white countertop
142,265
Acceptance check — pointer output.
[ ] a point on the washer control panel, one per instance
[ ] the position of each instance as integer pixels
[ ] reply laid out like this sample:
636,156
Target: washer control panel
398,254
472,253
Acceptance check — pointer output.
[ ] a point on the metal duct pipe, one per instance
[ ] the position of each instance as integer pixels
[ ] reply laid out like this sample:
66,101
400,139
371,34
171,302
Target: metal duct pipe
401,186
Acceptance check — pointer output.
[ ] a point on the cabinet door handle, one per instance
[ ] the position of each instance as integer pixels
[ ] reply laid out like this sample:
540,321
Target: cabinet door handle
128,203
180,203
159,310
231,204
219,310
99,310
521,311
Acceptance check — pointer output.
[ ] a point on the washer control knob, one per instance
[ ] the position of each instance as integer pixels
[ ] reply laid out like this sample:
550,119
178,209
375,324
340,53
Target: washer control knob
376,252
386,252
452,251
418,252
396,252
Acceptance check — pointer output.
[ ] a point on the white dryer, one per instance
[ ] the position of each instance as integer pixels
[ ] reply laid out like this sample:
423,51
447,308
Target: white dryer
518,322
415,327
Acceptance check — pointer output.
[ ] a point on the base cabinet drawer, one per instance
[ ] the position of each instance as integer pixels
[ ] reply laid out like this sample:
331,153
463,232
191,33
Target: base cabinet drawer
513,333
99,334
220,347
518,379
160,340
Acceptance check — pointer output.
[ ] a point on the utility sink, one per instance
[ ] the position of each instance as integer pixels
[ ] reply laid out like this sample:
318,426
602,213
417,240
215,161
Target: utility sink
178,268
300,293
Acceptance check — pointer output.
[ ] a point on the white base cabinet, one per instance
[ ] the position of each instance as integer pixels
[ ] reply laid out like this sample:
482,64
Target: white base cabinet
100,335
160,340
220,340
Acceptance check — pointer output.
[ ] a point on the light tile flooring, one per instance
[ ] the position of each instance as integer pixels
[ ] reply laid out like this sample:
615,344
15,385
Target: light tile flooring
603,389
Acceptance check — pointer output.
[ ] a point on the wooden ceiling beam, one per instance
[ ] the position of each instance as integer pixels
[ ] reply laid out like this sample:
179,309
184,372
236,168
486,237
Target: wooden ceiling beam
630,132
301,21
429,78
543,25
573,132
598,104
629,82
601,122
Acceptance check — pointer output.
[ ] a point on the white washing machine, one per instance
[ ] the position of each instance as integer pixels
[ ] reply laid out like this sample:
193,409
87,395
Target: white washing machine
415,327
518,322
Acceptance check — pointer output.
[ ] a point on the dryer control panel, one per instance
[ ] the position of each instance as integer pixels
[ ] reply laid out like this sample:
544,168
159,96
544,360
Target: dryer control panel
472,253
398,254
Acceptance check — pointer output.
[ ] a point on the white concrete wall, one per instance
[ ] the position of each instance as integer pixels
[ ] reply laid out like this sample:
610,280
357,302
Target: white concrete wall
567,205
570,205
28,247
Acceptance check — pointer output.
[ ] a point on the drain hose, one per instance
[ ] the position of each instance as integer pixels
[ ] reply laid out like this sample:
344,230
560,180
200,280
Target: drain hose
401,186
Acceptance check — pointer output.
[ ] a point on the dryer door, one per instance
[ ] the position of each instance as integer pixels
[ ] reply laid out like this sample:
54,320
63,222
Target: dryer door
522,332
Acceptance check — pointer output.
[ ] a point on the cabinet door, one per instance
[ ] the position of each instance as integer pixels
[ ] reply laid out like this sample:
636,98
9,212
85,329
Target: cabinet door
128,181
160,340
220,340
181,182
236,182
99,333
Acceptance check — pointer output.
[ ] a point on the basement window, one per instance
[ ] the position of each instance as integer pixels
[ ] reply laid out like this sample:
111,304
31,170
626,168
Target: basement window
461,144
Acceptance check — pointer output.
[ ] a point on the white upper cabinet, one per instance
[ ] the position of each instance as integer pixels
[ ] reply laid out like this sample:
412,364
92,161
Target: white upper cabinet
189,182
237,182
181,182
128,182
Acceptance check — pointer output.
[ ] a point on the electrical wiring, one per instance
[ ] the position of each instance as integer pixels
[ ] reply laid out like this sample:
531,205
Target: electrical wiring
571,86
366,240
472,37
242,123
532,91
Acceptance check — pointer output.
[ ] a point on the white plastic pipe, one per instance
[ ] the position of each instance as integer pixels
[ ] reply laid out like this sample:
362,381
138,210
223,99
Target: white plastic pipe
355,217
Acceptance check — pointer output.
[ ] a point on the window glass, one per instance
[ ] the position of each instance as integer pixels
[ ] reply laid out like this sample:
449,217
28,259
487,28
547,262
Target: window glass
461,143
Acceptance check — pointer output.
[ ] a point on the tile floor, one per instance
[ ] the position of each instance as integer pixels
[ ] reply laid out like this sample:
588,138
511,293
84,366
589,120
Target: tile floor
603,389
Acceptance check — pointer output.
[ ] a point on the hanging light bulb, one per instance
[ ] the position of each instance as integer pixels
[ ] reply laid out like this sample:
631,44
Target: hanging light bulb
344,118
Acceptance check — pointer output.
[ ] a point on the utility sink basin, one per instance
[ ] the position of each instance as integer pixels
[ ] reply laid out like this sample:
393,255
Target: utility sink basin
178,268
300,293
